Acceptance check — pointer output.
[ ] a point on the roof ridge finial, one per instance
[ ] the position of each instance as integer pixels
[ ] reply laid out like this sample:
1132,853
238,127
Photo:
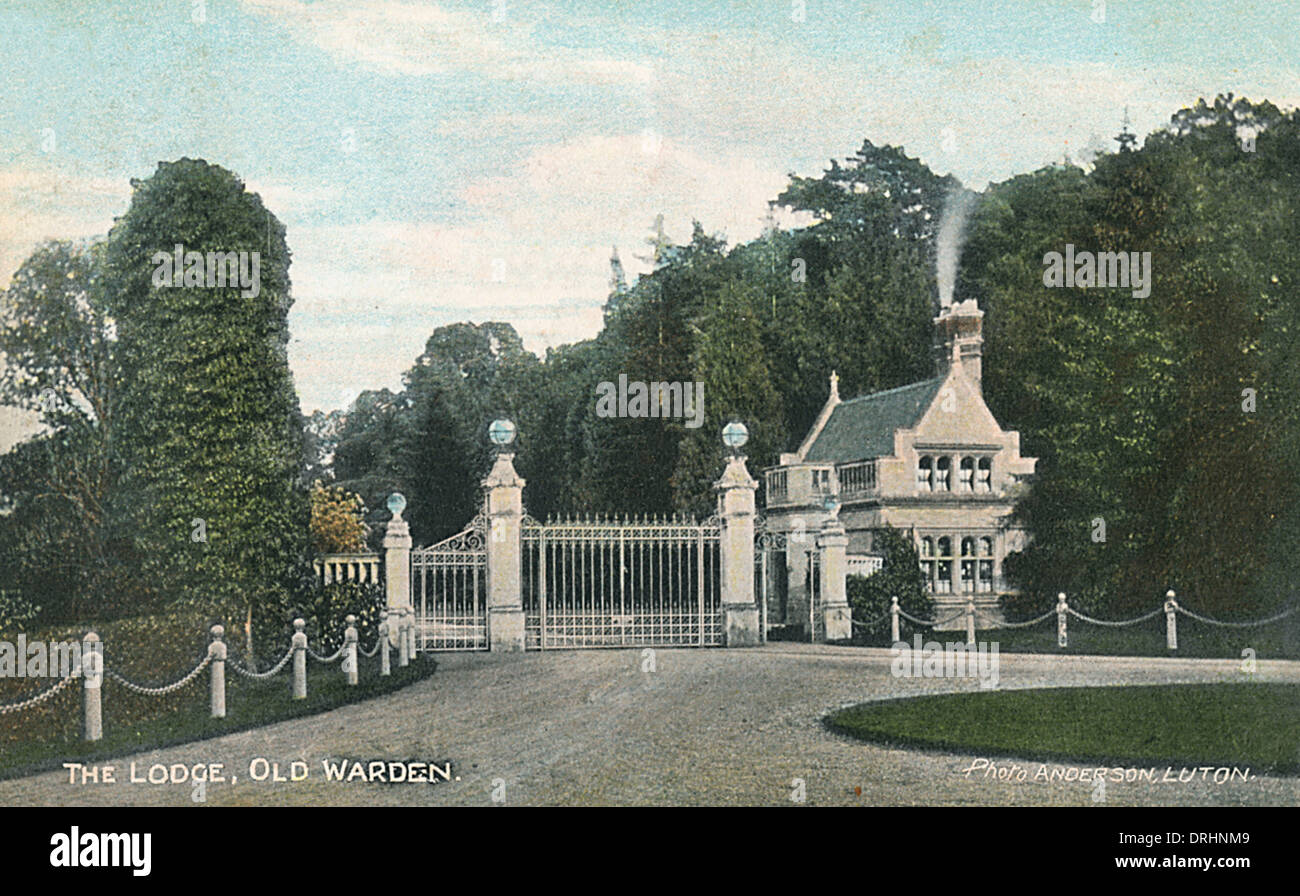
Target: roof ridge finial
835,386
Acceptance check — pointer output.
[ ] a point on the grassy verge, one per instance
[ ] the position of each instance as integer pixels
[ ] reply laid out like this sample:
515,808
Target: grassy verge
1280,640
1254,725
249,704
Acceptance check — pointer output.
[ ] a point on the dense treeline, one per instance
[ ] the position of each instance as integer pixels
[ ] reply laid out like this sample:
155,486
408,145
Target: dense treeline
1172,418
1165,423
1136,407
761,325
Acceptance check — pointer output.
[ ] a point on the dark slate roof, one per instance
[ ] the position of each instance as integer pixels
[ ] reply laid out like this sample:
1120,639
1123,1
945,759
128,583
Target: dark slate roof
863,428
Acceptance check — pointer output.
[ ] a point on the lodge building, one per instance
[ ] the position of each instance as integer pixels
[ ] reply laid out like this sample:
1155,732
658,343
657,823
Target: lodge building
927,458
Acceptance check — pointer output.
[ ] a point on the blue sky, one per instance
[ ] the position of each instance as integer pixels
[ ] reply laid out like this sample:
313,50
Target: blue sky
442,161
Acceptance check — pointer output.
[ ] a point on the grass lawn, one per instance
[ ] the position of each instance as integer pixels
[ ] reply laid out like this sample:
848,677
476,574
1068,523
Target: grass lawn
1255,725
249,704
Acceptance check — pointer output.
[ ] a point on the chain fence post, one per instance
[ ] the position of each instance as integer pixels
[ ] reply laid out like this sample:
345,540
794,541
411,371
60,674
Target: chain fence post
410,636
299,643
92,672
1171,620
350,649
894,636
385,660
1062,612
403,642
970,621
217,650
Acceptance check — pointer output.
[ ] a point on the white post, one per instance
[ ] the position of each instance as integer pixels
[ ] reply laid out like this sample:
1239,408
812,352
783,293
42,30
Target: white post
894,637
92,673
410,636
1062,610
397,561
403,642
350,649
970,622
217,650
1171,620
385,661
299,644
504,491
735,489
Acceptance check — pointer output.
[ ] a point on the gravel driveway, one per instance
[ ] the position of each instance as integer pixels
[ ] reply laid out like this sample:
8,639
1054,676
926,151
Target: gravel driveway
706,727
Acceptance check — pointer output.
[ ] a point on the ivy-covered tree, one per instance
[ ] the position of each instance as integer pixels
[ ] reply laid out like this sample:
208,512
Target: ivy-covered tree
207,422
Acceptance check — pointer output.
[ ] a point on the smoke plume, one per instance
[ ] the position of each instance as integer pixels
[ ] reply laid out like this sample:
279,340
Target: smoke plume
952,236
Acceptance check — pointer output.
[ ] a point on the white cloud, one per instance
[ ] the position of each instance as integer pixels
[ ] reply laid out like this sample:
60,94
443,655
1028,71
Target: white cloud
761,96
288,199
408,38
44,203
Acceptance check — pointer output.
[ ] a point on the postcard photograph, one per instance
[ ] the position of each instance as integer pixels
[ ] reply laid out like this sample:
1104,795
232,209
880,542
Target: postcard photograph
715,403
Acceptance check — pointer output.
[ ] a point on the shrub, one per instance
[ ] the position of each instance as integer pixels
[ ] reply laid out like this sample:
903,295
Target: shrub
900,576
325,608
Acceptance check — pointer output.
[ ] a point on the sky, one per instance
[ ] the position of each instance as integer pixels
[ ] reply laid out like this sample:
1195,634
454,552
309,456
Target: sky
444,161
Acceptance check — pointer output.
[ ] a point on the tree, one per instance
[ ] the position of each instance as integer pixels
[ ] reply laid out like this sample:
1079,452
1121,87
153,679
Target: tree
57,343
367,457
429,441
338,524
730,363
208,422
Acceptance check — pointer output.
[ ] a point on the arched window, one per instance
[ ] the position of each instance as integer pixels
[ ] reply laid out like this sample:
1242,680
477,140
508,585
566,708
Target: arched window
984,475
985,571
967,565
967,481
927,561
943,567
942,473
924,473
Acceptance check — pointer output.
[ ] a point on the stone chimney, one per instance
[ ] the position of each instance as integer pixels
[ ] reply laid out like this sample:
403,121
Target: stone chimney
959,340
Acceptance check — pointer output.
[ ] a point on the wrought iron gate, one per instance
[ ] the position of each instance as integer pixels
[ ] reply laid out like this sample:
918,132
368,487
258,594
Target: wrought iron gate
450,591
610,583
771,577
816,621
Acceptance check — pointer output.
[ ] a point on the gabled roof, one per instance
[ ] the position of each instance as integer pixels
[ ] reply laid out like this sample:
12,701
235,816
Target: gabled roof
863,428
